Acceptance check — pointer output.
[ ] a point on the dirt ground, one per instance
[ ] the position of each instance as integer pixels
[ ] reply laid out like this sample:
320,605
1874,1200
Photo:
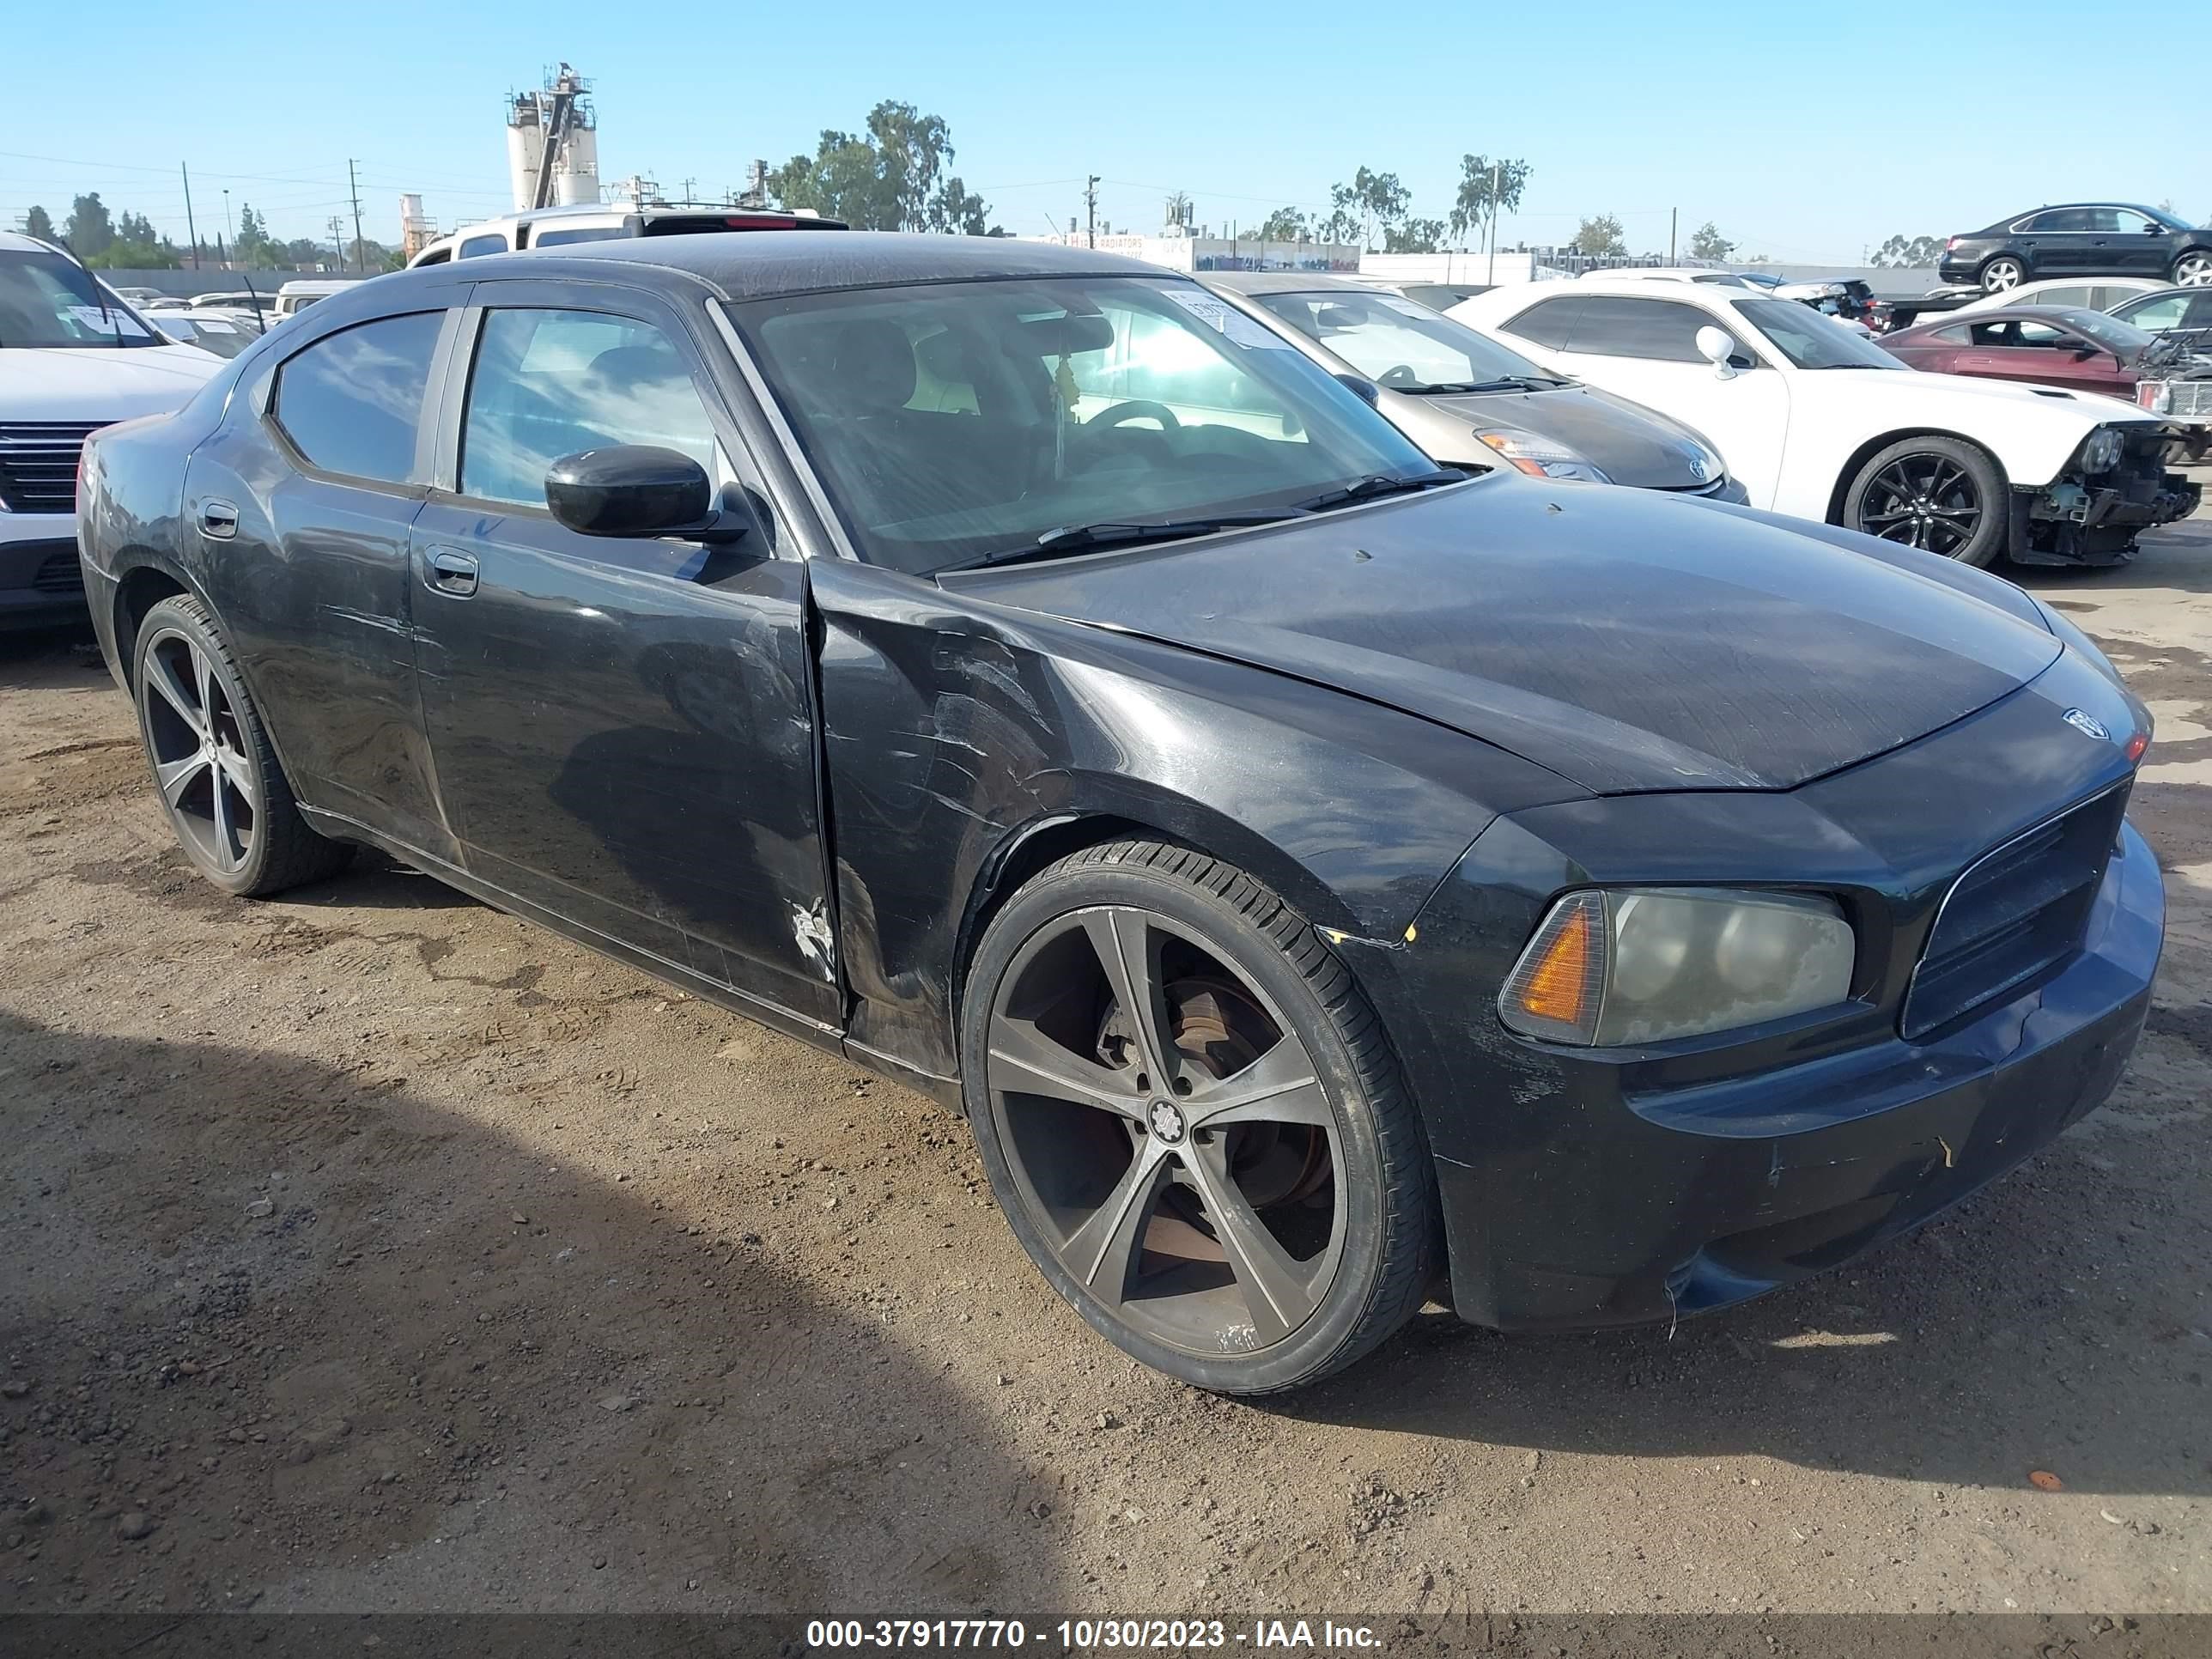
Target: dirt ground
369,1250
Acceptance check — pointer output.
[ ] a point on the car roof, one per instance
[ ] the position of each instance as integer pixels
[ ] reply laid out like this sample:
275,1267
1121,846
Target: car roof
810,261
1709,276
1286,281
14,241
1640,289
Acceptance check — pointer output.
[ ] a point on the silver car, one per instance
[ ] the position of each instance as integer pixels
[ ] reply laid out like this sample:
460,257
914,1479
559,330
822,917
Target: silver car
1468,400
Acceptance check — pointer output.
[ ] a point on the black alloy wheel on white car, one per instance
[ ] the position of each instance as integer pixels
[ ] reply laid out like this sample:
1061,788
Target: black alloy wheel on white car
1194,1123
214,767
2001,273
1939,494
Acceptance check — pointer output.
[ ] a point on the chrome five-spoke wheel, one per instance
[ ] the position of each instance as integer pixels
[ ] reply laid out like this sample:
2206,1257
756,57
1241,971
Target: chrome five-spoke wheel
1180,1131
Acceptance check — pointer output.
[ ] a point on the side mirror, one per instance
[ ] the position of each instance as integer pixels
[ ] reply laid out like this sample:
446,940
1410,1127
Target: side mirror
1363,389
637,490
1717,346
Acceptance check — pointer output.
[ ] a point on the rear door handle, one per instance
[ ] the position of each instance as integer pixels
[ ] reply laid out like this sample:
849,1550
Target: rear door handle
218,520
452,573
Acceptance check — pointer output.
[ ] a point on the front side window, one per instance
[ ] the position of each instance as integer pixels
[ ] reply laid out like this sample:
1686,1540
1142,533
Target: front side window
2165,312
1809,340
476,246
2128,223
1399,343
2063,295
48,301
955,421
351,402
2107,331
1613,325
548,384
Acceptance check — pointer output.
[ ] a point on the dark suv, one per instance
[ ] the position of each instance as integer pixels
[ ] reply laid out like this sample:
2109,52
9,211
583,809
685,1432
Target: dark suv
2082,238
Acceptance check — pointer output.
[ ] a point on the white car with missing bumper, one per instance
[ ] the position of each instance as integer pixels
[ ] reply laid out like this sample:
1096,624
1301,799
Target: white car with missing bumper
1818,423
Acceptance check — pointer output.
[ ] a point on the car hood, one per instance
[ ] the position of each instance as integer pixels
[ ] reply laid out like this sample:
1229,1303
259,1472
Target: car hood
86,383
1627,641
2090,409
1629,444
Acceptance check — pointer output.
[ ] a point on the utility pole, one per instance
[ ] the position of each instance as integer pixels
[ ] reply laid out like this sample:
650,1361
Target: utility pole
338,238
1091,209
228,224
1496,174
1673,213
191,229
689,184
353,189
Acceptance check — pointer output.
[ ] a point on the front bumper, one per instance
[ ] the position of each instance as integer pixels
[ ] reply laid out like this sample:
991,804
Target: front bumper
1585,1188
41,585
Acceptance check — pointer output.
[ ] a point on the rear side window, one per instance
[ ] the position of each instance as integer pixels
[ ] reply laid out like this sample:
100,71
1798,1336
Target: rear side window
479,245
351,402
1548,322
577,234
1612,325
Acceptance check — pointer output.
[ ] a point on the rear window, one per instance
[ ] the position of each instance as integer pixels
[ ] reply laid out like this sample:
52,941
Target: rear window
351,402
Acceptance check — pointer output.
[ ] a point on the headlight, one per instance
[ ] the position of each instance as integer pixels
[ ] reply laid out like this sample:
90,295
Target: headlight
1540,458
2102,451
1633,965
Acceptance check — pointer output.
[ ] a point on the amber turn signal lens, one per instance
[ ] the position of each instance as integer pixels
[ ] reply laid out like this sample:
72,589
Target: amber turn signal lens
1560,982
1555,989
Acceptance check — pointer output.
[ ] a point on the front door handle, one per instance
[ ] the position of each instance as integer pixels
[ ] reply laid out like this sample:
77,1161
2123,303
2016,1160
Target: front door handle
218,520
452,573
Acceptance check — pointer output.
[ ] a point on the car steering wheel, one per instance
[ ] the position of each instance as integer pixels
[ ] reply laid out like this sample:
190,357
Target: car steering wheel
1134,408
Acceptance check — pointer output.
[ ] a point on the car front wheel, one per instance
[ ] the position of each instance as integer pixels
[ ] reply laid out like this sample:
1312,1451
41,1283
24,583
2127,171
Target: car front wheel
1193,1121
2001,274
214,768
2194,269
1937,493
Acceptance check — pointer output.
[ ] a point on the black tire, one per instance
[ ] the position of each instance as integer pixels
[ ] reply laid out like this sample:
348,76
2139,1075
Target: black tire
1994,270
1881,501
1384,1237
269,847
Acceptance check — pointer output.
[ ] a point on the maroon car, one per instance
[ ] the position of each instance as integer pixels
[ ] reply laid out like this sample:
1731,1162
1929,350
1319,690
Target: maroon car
2080,350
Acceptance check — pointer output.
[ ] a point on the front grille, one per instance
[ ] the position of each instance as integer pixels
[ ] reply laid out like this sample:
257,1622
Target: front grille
38,464
2192,400
2016,913
58,573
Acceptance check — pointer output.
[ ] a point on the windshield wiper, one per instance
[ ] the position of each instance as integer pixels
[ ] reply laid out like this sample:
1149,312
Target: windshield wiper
1380,483
1081,538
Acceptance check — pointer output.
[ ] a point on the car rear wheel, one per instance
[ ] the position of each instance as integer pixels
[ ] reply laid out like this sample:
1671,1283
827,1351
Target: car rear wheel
2001,273
1192,1119
1937,493
2194,269
214,769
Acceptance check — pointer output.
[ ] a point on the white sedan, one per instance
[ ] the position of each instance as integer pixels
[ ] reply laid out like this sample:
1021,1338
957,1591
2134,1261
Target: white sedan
1819,422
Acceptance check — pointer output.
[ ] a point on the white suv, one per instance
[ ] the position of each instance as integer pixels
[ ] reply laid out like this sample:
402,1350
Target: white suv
557,226
73,358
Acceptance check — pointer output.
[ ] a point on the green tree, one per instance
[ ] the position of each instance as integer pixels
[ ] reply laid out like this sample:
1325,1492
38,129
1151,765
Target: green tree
253,245
1905,252
1706,242
1286,225
1486,183
1599,235
1414,236
890,177
1373,201
36,224
90,227
134,244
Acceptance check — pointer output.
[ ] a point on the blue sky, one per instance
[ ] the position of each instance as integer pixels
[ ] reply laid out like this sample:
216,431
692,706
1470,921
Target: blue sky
1803,134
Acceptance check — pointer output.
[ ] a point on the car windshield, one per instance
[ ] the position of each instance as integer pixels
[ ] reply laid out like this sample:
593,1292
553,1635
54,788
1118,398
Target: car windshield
2111,332
2171,221
1811,340
47,300
1398,343
960,421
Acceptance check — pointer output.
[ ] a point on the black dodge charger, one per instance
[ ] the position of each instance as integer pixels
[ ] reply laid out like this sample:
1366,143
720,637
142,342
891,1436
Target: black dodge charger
1322,880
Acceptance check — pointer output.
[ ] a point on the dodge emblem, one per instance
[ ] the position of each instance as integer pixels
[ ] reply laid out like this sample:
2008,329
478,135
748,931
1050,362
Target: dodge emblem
2089,723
